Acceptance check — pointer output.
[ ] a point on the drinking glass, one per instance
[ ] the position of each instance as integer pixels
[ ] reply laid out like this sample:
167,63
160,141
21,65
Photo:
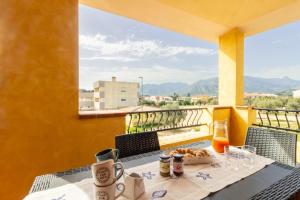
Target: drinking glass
220,138
232,157
249,154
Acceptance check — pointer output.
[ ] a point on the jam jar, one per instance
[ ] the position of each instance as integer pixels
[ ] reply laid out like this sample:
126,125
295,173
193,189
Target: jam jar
164,165
178,164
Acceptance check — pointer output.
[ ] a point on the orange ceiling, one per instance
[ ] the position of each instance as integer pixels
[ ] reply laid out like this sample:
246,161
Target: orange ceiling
205,19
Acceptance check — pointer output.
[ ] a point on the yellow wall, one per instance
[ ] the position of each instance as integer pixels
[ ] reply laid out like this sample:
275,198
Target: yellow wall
240,119
40,130
231,68
220,114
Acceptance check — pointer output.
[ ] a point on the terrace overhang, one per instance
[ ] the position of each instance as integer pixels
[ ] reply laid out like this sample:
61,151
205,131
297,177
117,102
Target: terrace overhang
205,19
40,129
224,22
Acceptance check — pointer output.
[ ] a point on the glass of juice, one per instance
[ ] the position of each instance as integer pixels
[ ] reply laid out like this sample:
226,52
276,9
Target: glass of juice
220,138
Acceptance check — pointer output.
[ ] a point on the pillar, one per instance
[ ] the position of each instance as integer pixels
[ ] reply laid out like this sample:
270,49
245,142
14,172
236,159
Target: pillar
231,68
40,129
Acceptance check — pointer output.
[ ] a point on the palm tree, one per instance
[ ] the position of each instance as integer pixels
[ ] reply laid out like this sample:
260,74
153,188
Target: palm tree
174,96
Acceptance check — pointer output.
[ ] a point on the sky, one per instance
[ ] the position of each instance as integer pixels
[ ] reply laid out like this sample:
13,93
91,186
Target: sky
111,45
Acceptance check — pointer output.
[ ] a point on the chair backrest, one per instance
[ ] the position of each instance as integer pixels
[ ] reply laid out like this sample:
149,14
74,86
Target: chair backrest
137,143
276,144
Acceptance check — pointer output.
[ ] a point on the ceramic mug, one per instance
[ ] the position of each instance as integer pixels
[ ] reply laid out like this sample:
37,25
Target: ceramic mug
135,186
106,172
107,154
109,192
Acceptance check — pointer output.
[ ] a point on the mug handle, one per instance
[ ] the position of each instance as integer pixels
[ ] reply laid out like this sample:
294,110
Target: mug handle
118,188
120,168
117,153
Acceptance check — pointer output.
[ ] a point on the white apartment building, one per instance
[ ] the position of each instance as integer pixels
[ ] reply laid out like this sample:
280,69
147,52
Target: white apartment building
157,99
114,94
255,94
86,100
296,93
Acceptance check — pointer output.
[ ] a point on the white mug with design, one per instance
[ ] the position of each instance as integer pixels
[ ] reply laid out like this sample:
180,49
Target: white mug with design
108,192
104,172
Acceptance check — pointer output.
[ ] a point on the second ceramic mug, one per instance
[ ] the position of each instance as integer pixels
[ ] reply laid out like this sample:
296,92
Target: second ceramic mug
107,154
107,172
109,192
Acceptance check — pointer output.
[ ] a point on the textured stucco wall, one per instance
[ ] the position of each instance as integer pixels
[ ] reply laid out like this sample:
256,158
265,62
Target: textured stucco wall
40,130
240,119
231,68
220,114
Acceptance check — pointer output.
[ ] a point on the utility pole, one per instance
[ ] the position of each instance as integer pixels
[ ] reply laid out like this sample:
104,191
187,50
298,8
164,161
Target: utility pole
142,100
142,91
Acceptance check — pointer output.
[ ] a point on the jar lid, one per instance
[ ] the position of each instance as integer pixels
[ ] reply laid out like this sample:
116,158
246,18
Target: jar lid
178,156
164,157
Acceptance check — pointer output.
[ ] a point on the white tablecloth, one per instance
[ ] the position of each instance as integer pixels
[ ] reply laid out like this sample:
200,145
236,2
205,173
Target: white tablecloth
197,182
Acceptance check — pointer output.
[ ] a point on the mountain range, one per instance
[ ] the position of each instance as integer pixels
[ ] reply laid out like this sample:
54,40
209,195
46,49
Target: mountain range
210,86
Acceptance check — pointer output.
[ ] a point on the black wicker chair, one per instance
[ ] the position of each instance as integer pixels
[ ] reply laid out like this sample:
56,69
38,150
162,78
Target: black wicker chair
276,144
133,144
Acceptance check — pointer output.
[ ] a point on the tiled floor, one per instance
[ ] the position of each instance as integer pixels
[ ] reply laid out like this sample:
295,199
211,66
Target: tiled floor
180,137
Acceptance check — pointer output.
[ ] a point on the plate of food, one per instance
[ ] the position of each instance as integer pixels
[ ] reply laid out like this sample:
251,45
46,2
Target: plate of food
193,156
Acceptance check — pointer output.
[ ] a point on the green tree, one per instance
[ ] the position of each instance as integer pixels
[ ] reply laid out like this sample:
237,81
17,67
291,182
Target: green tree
149,103
212,101
161,103
170,106
201,102
175,96
293,104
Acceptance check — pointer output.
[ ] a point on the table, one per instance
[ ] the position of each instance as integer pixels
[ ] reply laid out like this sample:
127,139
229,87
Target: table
275,181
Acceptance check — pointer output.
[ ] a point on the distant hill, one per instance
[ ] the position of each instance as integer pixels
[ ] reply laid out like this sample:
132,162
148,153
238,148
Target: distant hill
210,86
84,90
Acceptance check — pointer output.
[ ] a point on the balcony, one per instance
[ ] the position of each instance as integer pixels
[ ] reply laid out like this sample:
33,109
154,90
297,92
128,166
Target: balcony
39,54
174,126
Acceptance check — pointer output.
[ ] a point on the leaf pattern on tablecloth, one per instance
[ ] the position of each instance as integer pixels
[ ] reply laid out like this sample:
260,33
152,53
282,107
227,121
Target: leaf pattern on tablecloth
159,194
204,176
148,175
215,165
60,198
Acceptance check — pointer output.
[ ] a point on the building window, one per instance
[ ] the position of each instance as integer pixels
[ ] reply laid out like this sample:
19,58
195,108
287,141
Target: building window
97,99
102,94
123,99
123,89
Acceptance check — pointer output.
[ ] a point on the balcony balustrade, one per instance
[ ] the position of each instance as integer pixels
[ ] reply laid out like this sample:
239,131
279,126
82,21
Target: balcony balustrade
162,120
278,118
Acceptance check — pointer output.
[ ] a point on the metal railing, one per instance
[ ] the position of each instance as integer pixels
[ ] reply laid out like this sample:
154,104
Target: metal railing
162,120
278,118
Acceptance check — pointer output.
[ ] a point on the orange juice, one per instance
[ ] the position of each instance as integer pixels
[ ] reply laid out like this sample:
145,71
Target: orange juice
218,144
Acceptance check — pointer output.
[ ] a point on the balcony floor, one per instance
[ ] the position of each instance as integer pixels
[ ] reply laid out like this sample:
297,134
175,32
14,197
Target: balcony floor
172,138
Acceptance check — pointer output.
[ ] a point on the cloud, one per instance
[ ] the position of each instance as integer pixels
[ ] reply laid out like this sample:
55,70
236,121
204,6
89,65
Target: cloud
151,74
115,58
277,41
132,50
